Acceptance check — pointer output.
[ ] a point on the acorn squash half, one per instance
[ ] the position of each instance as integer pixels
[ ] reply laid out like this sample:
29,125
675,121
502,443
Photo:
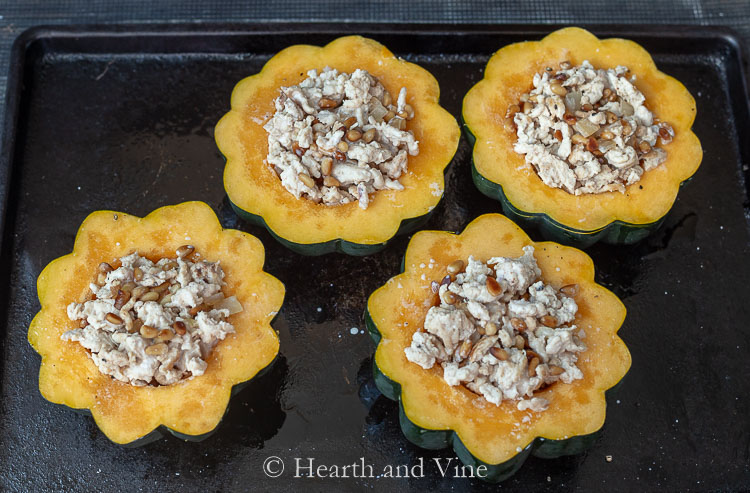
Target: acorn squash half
255,190
435,415
190,409
500,173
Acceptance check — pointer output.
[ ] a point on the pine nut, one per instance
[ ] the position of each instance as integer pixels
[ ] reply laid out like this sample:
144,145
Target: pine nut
298,150
493,286
306,180
520,342
101,278
499,353
105,267
389,116
556,370
587,107
666,137
330,181
490,329
149,332
161,287
326,165
368,136
611,117
128,287
198,308
558,135
353,135
446,280
557,88
465,348
644,146
150,296
592,145
549,321
569,119
139,291
532,366
350,121
579,139
450,297
387,99
136,327
342,146
326,103
121,298
156,349
137,274
113,319
179,327
165,335
518,324
607,135
185,251
527,106
455,267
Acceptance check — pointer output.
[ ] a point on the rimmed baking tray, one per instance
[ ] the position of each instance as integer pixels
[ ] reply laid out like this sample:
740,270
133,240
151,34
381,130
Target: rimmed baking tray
122,117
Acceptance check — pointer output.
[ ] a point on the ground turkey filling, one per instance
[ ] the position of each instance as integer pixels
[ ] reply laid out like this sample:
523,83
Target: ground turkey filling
501,331
588,130
336,137
154,323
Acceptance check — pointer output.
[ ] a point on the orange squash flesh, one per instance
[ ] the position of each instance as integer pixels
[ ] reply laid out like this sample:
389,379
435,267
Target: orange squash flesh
494,434
192,407
253,187
509,74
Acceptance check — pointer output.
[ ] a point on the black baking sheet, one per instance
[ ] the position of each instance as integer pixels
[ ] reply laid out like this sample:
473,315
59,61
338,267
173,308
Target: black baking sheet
122,117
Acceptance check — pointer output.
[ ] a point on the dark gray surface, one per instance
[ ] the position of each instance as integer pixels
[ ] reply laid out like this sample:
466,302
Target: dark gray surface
134,131
18,15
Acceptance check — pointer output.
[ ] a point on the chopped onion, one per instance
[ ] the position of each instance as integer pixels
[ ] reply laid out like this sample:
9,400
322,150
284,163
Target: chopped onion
213,299
627,108
378,111
230,304
606,145
586,127
573,101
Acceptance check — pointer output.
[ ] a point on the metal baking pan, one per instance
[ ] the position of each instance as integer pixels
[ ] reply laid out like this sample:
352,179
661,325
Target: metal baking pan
122,117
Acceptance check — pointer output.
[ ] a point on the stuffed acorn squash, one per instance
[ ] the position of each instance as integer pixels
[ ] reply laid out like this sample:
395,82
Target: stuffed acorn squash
635,206
310,194
435,414
189,408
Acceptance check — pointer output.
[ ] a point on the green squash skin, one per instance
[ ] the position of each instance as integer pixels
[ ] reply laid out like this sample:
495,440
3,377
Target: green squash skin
162,431
439,439
615,233
338,245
